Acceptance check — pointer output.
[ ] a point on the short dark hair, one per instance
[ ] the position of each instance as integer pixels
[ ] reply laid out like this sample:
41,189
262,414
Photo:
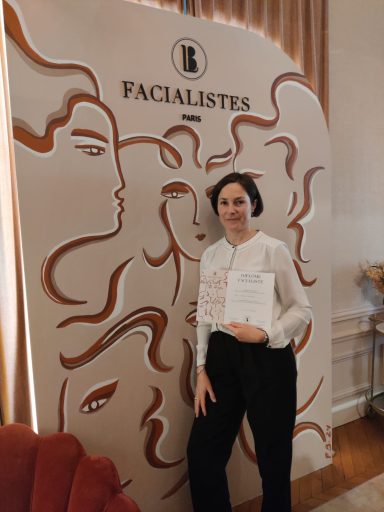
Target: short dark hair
248,185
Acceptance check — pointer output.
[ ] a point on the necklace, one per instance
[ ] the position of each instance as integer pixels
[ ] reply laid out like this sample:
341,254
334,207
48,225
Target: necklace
252,234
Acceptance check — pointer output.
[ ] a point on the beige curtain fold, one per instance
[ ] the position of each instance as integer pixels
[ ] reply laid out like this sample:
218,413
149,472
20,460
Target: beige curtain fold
299,27
169,5
15,400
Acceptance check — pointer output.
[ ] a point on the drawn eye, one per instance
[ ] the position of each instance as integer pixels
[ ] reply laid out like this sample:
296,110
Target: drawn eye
175,190
91,149
97,398
191,318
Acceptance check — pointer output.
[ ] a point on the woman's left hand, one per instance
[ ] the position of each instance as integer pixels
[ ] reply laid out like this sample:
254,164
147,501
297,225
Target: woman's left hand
245,332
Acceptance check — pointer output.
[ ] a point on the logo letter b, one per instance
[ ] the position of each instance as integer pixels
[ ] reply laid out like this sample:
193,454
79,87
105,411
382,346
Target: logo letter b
189,62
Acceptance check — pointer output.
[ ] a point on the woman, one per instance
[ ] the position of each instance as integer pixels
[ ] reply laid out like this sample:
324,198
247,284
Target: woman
241,368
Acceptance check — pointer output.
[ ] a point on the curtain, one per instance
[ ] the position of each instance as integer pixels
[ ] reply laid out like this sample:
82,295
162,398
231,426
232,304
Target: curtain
299,27
169,5
15,403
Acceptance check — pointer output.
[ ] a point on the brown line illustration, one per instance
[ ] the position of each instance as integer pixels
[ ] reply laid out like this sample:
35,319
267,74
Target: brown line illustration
191,317
244,445
311,398
49,265
153,318
186,374
304,339
252,174
173,248
79,132
109,306
175,187
295,223
157,261
152,139
155,430
292,152
293,203
258,120
209,190
218,160
45,143
299,271
309,425
175,130
155,405
63,394
103,393
178,485
15,31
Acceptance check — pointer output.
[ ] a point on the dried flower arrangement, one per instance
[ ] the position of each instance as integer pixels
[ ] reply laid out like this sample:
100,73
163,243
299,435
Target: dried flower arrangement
375,273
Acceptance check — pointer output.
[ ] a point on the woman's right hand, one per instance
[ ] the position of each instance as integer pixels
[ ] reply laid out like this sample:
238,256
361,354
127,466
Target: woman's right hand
203,386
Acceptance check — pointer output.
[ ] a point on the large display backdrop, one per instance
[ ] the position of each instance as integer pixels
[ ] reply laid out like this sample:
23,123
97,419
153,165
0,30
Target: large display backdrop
124,118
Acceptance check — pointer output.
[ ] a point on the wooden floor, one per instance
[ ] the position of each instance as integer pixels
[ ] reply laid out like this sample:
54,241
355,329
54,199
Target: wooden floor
359,456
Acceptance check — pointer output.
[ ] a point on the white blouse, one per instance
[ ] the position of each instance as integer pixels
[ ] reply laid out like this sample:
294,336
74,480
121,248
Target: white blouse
291,310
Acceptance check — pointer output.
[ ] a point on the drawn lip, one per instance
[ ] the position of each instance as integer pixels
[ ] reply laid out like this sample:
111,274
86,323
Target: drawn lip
200,236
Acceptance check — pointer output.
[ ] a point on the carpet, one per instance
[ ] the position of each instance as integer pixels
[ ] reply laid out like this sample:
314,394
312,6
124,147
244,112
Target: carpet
367,497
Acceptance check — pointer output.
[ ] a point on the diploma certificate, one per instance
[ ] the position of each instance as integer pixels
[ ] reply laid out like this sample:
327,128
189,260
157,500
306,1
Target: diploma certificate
236,296
249,298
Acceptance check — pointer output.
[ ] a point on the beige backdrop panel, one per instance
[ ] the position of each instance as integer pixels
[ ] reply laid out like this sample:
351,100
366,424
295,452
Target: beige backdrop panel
115,215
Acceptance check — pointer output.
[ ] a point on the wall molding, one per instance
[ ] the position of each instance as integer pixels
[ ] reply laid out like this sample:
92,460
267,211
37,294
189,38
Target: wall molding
351,355
351,313
351,392
348,410
350,326
351,335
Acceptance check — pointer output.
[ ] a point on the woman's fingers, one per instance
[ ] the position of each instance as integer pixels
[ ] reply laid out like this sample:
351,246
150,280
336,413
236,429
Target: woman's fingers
211,394
203,407
197,406
200,400
246,332
203,388
200,403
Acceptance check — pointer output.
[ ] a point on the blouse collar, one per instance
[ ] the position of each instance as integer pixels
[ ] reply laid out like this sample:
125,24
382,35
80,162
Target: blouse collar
243,245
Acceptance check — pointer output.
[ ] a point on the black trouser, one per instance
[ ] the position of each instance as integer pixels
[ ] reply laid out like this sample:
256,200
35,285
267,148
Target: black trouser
261,381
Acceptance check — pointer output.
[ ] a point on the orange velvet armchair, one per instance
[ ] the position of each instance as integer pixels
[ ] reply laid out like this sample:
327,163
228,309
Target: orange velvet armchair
53,474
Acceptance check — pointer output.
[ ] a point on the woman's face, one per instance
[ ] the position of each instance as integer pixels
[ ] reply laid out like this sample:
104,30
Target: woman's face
234,208
79,179
183,213
93,166
109,399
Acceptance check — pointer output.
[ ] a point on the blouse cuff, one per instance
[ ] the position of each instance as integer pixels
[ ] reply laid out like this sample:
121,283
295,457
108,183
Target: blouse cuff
276,336
201,355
